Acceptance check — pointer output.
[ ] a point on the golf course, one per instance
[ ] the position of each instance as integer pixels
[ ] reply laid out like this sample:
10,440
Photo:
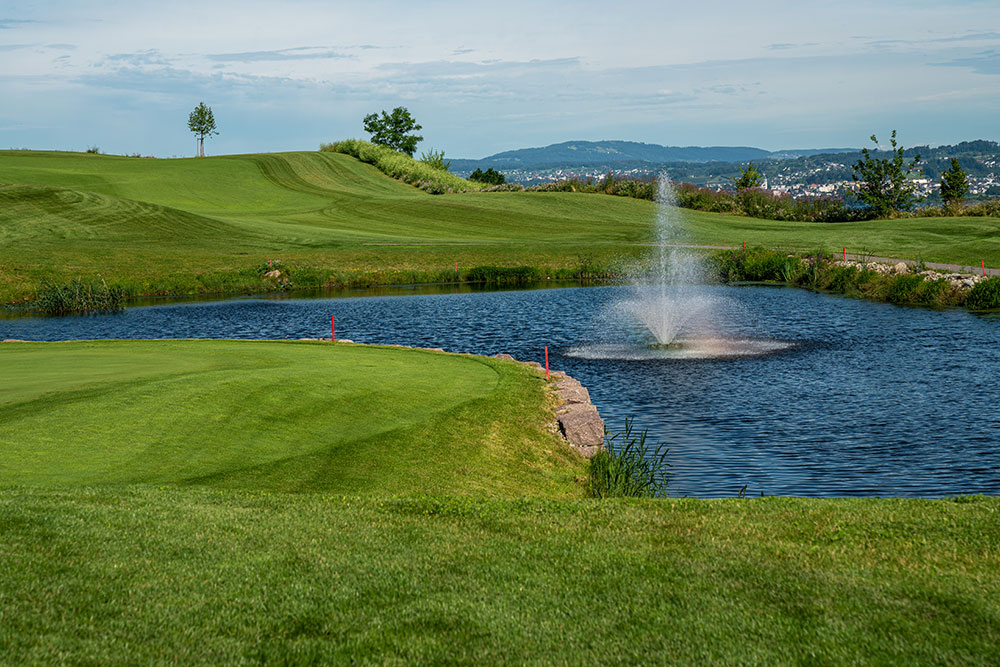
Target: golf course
312,502
212,225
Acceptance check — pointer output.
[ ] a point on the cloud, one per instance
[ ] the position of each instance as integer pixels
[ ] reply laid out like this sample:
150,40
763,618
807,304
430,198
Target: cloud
461,52
784,46
15,47
10,24
987,62
138,58
297,53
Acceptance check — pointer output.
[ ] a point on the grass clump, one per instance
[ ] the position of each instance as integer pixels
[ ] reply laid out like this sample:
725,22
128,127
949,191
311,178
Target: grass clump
80,296
503,275
430,174
627,468
985,295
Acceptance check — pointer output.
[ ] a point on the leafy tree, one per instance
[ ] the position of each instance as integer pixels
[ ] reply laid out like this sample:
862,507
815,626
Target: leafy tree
954,185
202,123
491,176
749,178
885,186
435,159
390,129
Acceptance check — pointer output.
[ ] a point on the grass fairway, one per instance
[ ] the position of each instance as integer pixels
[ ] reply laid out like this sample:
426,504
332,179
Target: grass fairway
239,502
275,415
211,224
145,574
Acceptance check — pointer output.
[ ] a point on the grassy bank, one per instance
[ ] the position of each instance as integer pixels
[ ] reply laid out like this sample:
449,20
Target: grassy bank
823,272
278,416
146,574
210,225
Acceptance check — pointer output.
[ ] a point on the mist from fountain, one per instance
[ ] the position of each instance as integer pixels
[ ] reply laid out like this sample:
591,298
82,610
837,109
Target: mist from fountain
669,298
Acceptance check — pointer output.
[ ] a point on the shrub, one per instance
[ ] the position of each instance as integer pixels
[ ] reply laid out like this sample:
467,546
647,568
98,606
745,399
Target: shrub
490,177
627,468
402,167
985,295
435,159
903,289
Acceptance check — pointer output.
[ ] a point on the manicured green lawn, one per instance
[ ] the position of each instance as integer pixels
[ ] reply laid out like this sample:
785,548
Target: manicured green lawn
210,225
143,574
281,501
277,415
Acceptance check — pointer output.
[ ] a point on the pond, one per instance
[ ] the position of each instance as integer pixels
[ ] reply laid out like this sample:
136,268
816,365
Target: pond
828,397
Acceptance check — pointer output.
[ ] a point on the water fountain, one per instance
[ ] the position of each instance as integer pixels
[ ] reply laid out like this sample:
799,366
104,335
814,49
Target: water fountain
674,305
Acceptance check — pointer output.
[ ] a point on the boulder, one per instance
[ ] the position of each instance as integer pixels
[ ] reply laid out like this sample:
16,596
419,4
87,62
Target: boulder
273,274
505,357
571,391
900,268
582,425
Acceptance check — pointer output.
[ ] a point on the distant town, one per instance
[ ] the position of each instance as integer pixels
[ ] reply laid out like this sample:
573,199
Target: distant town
810,175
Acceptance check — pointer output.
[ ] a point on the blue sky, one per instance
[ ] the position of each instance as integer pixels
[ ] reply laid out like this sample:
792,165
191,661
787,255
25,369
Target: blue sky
487,77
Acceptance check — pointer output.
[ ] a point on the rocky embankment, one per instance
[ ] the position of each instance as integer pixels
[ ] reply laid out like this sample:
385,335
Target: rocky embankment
956,280
579,422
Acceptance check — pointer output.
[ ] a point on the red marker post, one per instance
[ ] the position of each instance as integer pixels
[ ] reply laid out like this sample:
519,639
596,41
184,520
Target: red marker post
845,254
546,363
333,329
984,266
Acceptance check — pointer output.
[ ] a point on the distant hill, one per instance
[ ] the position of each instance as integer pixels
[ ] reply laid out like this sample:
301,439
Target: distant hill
580,153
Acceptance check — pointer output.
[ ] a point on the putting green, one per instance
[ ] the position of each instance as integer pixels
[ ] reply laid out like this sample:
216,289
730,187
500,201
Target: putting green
256,414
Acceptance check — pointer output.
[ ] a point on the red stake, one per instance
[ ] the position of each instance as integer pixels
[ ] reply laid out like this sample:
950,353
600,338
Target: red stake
333,329
269,264
546,363
845,254
744,245
456,270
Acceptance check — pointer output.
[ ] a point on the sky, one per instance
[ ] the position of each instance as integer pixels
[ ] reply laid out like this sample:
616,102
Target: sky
487,77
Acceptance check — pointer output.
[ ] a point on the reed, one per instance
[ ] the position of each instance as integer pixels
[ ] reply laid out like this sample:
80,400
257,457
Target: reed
627,467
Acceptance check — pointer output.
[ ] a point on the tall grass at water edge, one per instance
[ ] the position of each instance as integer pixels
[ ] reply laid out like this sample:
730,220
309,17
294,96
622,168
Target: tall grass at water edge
80,296
627,467
818,270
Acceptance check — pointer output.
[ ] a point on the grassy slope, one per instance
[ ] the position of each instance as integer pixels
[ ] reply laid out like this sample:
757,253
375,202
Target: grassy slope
161,224
150,220
141,574
276,415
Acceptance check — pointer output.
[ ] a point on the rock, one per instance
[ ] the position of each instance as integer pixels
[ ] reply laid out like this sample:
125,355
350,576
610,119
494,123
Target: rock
273,274
435,349
535,364
901,268
14,340
582,425
344,340
571,391
505,357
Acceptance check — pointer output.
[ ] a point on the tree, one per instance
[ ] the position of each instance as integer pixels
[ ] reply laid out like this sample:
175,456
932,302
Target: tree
435,159
202,123
954,185
749,178
390,129
885,185
491,176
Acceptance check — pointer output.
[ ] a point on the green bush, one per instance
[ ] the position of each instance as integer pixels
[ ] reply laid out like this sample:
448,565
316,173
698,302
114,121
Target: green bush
627,468
402,167
985,295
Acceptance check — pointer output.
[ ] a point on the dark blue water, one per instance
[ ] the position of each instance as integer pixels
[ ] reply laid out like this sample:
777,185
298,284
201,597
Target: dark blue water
868,400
